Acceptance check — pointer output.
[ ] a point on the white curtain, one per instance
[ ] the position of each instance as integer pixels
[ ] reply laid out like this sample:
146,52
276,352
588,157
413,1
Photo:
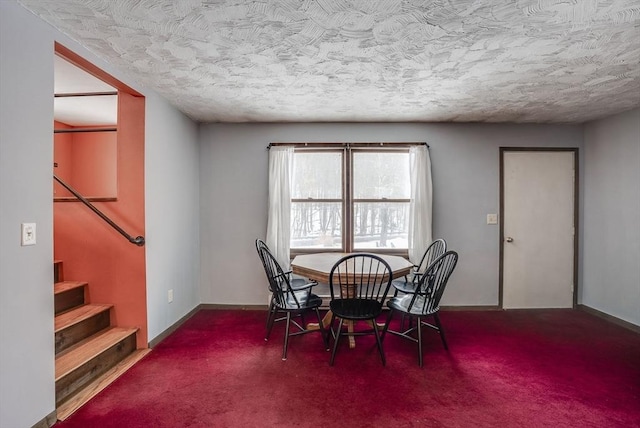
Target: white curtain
279,223
420,206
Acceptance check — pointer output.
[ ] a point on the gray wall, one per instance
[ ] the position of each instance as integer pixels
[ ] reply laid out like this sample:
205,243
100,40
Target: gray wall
465,169
611,267
27,392
172,214
26,273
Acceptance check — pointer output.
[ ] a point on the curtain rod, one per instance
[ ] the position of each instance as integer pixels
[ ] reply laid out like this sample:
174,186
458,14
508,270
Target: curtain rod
320,145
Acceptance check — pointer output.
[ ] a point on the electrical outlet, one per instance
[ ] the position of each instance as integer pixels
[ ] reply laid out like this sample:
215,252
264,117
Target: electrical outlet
28,234
170,296
492,218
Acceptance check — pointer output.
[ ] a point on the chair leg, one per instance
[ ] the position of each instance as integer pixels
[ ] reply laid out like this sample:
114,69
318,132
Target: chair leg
324,334
270,321
303,323
333,320
419,328
286,337
269,313
441,330
379,342
386,325
335,342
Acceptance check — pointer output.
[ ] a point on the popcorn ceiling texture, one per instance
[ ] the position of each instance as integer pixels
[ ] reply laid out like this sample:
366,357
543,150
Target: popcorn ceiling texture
561,61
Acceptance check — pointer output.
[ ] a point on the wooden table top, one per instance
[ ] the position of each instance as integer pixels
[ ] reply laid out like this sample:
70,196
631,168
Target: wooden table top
318,266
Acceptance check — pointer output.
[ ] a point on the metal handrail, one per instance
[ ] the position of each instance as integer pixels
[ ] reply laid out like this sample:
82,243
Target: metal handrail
138,240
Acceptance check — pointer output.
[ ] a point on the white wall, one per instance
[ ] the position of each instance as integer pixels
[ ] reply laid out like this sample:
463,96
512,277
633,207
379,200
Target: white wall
611,267
27,393
465,168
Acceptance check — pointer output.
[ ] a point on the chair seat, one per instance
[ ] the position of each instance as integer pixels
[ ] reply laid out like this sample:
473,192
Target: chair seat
403,285
305,299
355,309
298,283
402,303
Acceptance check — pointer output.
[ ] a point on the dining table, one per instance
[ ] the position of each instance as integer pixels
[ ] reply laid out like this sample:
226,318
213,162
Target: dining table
317,266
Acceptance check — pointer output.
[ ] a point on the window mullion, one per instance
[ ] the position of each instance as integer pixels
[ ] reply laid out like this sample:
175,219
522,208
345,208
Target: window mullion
347,198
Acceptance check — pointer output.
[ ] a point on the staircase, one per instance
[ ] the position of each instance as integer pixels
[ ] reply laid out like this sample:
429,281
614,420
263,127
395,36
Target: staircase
90,352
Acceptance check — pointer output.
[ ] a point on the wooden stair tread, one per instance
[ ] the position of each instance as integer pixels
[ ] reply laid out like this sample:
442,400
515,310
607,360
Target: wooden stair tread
62,286
84,351
78,314
67,408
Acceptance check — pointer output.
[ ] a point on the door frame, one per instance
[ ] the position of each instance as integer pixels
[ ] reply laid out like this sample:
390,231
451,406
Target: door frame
576,204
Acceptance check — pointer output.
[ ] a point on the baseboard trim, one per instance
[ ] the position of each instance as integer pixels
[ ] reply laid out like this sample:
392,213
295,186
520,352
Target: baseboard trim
610,318
471,308
159,338
235,307
47,421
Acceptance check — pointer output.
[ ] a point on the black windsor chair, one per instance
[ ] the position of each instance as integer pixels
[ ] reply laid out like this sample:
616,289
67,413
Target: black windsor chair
289,300
424,301
362,281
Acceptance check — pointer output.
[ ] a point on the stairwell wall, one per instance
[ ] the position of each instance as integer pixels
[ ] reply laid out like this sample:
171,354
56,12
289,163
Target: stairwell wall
172,215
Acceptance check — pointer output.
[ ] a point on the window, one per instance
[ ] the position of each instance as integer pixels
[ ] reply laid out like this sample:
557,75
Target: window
317,200
350,199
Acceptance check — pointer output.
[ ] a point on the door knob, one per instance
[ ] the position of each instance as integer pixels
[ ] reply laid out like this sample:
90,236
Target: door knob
508,239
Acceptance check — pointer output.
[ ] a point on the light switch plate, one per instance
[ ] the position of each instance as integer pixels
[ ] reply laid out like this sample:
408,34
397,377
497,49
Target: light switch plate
28,234
492,218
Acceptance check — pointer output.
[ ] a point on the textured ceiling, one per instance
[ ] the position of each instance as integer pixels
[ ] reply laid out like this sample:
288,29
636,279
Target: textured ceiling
369,60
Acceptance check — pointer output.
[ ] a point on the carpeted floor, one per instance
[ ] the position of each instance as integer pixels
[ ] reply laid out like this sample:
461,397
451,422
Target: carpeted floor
542,368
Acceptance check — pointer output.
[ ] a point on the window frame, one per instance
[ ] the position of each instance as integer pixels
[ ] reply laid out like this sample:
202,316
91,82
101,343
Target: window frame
347,202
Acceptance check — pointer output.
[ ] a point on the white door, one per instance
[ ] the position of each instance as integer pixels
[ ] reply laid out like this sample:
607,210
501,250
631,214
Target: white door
538,229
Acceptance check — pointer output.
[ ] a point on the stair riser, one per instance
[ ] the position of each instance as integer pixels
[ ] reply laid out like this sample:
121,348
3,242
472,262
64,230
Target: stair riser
75,333
68,300
57,272
93,368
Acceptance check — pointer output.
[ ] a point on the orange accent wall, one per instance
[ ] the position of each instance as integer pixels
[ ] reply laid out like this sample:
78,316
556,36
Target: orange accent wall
93,251
86,161
94,159
62,144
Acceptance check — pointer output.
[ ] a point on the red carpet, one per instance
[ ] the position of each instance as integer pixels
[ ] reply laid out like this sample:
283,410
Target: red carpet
545,368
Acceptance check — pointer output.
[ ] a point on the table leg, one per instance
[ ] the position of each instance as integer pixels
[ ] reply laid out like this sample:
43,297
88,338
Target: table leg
352,340
380,324
326,320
